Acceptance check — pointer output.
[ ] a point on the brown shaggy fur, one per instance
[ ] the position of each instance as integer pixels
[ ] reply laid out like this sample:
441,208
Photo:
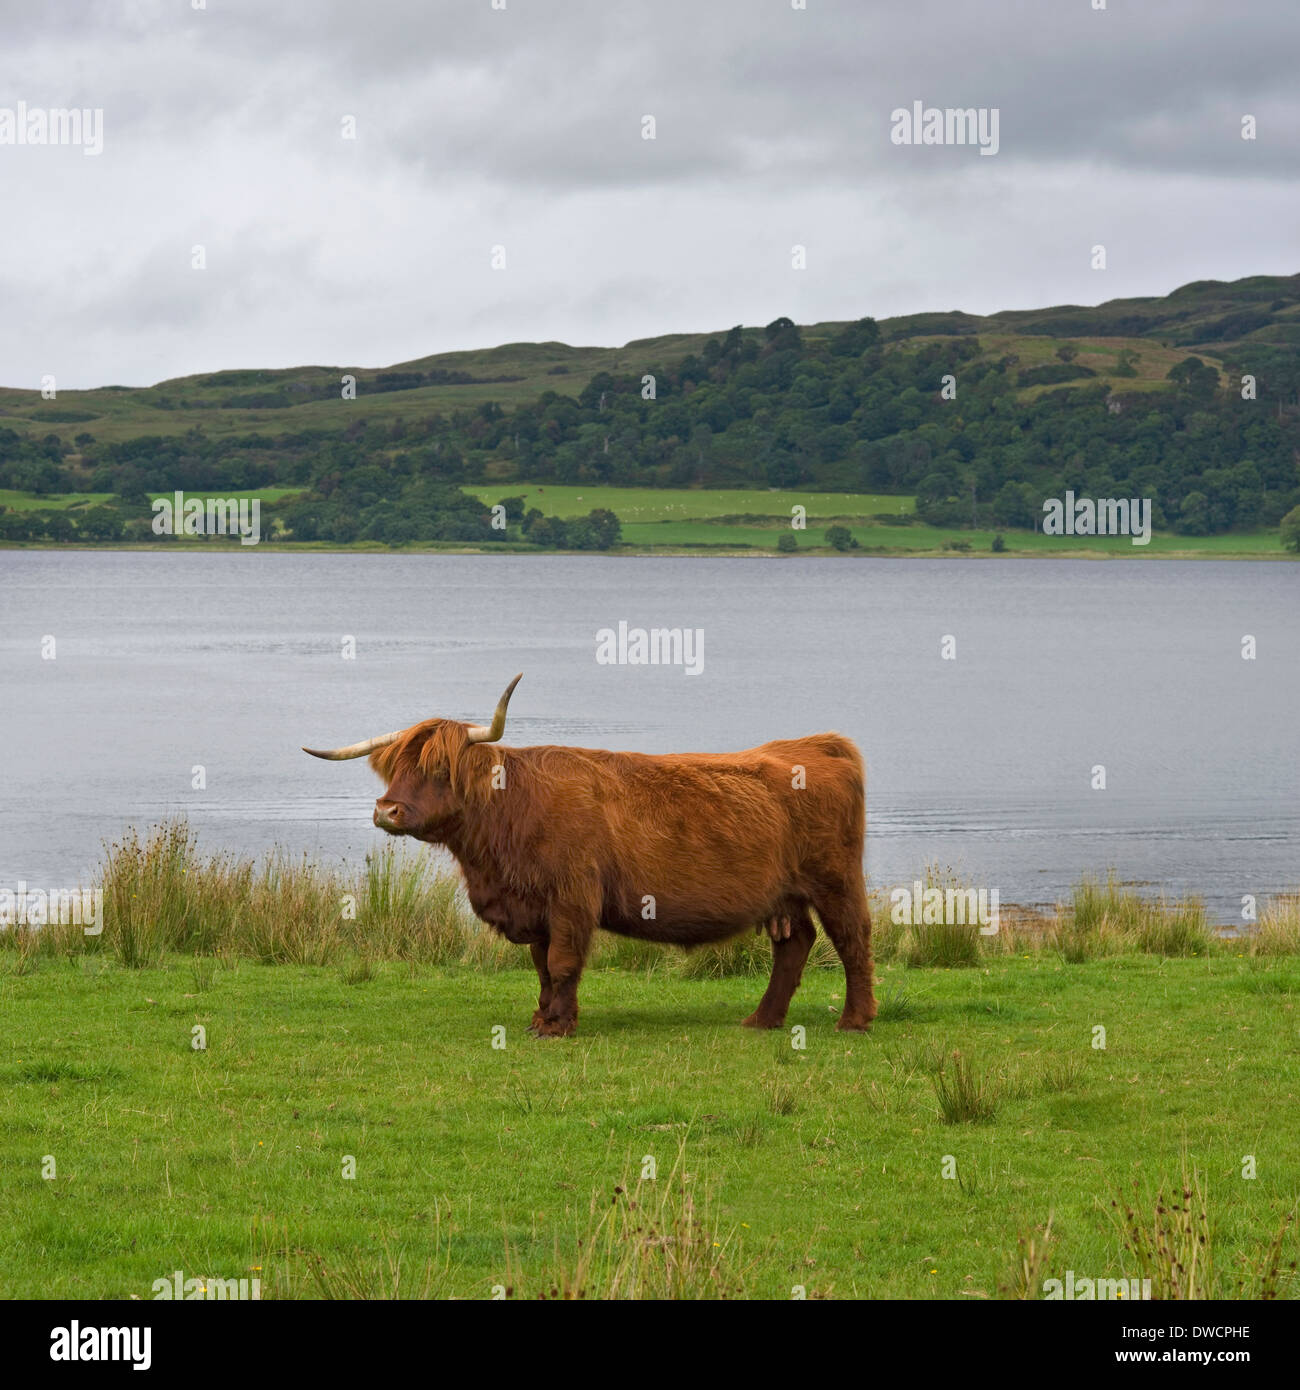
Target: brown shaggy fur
683,848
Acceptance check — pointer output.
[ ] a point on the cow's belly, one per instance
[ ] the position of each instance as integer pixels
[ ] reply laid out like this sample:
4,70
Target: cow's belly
676,931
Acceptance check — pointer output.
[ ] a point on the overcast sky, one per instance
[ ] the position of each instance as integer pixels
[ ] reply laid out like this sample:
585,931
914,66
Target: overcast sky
522,128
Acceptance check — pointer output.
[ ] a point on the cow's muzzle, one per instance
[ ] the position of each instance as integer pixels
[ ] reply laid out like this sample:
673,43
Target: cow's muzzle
388,817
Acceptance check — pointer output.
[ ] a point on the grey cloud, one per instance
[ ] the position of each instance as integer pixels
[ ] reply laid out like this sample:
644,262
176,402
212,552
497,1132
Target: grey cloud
477,126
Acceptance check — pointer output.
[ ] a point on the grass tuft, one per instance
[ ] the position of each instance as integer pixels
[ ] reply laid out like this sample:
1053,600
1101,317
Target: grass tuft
655,1239
1279,928
1106,918
966,1095
1033,1249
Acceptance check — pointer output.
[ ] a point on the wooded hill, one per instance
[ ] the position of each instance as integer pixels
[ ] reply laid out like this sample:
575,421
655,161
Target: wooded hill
979,416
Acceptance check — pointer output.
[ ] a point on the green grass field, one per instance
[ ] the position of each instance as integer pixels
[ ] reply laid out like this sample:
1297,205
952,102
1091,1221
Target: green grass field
690,518
667,505
479,1167
66,501
15,501
908,1162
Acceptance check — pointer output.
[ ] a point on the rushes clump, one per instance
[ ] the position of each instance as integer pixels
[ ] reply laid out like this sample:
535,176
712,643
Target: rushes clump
948,943
1278,933
648,1240
1106,918
155,898
408,911
357,971
895,1006
1268,1274
966,1095
203,971
782,1098
390,1273
1177,929
1033,1249
1172,1243
24,944
1062,1073
1098,921
160,895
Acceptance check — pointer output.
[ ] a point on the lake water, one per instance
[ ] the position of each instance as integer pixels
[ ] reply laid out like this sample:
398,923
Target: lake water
984,763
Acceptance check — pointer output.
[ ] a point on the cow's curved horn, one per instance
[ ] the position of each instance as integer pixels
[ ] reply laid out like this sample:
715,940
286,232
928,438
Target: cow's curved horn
478,734
356,750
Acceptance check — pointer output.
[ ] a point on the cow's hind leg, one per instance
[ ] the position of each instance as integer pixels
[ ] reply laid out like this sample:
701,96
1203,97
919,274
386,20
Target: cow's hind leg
847,920
538,949
788,956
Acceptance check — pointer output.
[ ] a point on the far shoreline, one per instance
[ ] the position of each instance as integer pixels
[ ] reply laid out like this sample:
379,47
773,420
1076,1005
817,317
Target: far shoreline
719,552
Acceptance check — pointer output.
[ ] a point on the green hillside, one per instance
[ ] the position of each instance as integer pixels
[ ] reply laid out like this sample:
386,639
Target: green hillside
1191,400
1209,316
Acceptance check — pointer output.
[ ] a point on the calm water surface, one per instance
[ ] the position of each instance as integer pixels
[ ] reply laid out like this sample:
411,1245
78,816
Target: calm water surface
984,763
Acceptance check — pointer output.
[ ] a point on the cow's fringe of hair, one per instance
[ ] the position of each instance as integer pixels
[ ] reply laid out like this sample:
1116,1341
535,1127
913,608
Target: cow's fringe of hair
422,748
443,745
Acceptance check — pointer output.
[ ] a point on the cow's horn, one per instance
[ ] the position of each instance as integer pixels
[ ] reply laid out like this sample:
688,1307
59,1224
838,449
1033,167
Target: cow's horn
356,750
478,734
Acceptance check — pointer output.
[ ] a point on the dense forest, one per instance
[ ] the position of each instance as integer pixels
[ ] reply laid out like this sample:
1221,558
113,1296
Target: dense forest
935,406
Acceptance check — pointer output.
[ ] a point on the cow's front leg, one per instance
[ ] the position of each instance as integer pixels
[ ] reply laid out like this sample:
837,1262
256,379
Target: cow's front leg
571,931
538,949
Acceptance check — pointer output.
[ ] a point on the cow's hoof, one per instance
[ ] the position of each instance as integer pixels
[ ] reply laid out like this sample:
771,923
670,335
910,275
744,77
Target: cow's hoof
756,1021
553,1028
854,1025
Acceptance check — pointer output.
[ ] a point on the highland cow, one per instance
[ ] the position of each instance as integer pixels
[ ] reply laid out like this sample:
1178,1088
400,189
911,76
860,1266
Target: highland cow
682,848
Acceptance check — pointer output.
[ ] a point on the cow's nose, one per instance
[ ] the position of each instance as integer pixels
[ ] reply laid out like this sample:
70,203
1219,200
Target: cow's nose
386,815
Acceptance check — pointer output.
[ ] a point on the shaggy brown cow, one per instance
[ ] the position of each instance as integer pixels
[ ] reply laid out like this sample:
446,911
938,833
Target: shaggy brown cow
684,848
